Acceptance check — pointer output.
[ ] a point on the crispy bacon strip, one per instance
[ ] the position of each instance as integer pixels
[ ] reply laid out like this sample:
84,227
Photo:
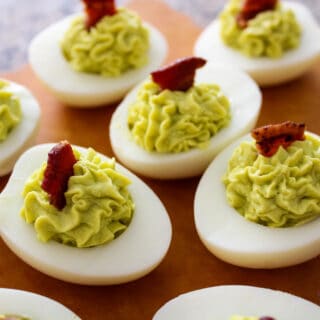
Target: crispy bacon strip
97,9
179,75
57,173
251,8
270,137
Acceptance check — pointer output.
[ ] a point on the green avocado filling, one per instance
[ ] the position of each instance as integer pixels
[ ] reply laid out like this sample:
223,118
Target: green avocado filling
243,318
278,191
269,34
99,206
12,317
116,44
177,121
10,111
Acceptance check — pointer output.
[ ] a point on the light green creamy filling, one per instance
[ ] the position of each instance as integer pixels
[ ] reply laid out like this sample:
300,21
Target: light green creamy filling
116,44
13,317
99,206
10,111
278,191
243,318
177,121
269,34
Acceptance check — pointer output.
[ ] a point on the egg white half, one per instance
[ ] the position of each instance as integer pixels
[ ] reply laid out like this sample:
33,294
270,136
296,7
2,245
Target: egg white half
79,89
33,306
232,238
245,103
221,302
132,255
22,136
266,71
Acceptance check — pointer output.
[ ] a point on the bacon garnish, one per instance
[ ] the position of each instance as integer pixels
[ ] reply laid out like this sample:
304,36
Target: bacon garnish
251,8
178,75
97,9
270,137
57,173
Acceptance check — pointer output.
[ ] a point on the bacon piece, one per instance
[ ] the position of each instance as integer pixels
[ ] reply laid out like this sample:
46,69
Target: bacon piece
251,8
273,130
97,9
270,137
179,75
57,173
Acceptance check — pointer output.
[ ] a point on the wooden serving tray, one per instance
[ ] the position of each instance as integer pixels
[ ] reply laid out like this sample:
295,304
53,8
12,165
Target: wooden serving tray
188,265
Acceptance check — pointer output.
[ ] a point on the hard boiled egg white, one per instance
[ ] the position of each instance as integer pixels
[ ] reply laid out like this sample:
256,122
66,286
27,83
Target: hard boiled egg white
80,89
222,302
130,256
22,136
232,238
33,306
266,71
245,103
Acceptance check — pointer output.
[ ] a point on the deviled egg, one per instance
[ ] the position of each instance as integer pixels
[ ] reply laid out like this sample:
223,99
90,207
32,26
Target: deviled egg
261,211
90,66
19,122
303,53
157,117
26,305
225,302
57,247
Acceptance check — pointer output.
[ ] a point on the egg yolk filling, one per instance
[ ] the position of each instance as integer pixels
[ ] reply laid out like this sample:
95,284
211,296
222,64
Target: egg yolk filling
251,318
116,44
269,34
10,110
13,317
98,207
168,121
278,191
243,318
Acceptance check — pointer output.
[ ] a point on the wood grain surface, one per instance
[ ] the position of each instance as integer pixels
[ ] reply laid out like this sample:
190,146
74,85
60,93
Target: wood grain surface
188,265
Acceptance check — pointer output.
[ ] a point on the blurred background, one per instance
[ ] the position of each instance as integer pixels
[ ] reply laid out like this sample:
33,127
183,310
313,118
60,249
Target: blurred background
20,20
